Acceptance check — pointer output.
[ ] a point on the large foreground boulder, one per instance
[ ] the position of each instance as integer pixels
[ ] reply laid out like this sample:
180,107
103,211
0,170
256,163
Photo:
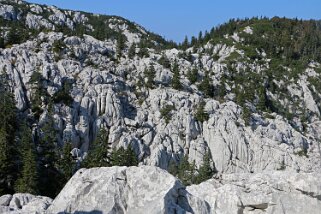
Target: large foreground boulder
133,190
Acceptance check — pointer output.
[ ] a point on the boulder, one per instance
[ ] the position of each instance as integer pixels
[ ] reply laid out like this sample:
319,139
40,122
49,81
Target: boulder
142,189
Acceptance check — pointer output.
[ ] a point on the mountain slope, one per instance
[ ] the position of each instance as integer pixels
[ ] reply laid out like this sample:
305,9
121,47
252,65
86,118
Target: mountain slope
249,99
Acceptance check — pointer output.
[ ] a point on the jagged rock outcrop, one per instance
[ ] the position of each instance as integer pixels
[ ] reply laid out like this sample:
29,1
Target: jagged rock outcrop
23,203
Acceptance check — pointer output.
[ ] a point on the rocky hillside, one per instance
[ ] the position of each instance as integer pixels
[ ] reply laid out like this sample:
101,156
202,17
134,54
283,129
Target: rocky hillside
247,92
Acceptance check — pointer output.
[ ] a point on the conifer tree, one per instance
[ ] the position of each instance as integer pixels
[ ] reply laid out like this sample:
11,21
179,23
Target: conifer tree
164,61
132,51
66,164
206,86
5,164
2,42
120,45
8,152
200,114
28,179
176,83
150,74
48,160
192,75
185,43
124,157
99,153
205,171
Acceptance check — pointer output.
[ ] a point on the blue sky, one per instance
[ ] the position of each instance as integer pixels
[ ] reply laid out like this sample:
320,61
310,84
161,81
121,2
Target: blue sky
174,19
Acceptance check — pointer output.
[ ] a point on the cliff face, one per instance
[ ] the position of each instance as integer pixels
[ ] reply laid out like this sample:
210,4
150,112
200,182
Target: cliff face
107,87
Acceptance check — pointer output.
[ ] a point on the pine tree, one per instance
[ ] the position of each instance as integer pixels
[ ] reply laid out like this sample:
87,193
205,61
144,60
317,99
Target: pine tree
164,61
206,171
2,42
5,164
150,74
66,164
206,87
192,75
8,125
184,173
262,99
176,83
200,114
120,45
99,153
185,44
38,91
124,157
48,160
28,179
132,51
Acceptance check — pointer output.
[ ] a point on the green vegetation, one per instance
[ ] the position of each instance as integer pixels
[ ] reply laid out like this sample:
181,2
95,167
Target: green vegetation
100,151
28,180
8,125
63,95
189,174
200,113
150,74
124,157
192,75
206,86
176,83
166,112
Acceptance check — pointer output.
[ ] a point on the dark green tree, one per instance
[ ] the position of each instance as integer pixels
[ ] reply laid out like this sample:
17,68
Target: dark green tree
150,74
37,94
176,83
99,153
200,113
124,157
120,45
132,51
164,61
192,75
2,42
28,178
206,86
185,43
262,99
8,125
13,37
143,51
66,163
185,171
205,171
48,157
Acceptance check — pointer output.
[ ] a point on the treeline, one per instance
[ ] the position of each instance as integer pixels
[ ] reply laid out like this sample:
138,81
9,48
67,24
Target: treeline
298,39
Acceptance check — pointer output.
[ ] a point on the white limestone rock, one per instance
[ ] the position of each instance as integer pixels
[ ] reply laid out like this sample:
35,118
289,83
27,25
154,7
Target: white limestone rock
142,189
24,203
270,193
